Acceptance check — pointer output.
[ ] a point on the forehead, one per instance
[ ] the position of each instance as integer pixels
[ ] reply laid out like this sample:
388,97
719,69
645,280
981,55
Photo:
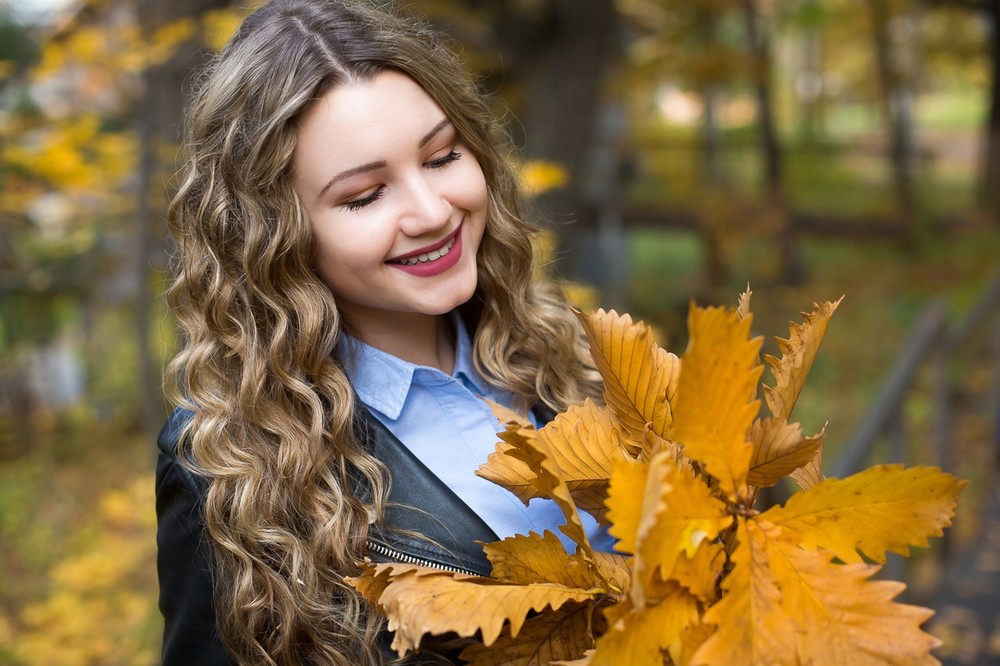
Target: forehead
356,119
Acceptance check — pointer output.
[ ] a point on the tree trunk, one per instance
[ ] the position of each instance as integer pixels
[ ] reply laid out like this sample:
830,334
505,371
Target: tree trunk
774,186
990,178
564,75
897,104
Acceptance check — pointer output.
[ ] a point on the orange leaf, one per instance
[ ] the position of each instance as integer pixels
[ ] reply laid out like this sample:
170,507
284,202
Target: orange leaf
639,377
886,507
643,635
797,355
418,601
713,410
790,606
556,635
779,448
539,559
585,444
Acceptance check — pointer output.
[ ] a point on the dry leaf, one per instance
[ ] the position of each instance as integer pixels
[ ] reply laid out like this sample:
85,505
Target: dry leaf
545,638
779,448
797,355
712,414
639,377
886,507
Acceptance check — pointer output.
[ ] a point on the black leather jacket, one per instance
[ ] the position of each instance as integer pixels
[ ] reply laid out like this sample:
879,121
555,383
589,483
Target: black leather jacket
419,502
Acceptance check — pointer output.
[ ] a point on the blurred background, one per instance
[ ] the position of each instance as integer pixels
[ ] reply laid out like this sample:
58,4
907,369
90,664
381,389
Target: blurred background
675,150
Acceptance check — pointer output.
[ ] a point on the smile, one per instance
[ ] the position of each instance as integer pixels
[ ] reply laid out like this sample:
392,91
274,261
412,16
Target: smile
430,256
431,260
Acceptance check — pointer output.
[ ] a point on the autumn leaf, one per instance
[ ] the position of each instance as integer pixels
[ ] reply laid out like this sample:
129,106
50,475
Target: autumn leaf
537,475
680,514
779,448
789,605
640,378
585,444
544,638
712,414
642,635
886,507
698,573
538,559
812,473
510,471
700,577
419,601
752,628
797,355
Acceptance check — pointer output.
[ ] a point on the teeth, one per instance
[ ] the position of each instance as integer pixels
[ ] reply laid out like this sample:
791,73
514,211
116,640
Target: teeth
429,256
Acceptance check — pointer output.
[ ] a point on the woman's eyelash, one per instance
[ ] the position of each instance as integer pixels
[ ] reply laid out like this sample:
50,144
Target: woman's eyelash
453,156
358,204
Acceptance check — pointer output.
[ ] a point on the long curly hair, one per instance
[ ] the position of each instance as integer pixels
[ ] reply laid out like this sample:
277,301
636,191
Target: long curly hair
273,410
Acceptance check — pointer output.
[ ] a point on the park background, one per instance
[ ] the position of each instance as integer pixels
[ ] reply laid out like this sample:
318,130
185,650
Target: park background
674,150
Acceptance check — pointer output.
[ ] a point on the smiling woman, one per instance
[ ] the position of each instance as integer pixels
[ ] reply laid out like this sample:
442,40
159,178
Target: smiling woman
354,278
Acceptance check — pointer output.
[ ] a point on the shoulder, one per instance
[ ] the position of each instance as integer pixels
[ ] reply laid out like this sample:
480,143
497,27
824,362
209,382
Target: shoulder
170,435
170,472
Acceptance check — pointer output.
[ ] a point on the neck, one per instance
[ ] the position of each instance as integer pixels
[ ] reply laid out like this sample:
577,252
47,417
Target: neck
420,339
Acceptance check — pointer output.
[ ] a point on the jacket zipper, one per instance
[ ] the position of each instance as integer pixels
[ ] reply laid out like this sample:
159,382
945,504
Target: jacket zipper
403,558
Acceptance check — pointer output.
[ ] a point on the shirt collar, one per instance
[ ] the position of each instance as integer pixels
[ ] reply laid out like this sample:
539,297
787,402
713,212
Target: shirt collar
382,381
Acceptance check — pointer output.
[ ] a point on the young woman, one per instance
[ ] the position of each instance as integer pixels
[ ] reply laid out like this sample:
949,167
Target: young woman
353,278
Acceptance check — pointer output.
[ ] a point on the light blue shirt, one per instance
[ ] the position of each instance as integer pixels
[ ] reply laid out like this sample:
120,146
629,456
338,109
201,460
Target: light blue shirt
443,420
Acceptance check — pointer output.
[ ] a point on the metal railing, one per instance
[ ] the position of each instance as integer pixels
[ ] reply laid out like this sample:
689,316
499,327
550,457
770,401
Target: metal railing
934,344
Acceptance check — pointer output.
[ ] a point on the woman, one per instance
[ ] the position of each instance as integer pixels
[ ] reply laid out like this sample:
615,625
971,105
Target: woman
353,277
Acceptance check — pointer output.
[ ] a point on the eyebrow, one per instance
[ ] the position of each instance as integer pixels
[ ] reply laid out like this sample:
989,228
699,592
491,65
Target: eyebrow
381,164
430,135
364,168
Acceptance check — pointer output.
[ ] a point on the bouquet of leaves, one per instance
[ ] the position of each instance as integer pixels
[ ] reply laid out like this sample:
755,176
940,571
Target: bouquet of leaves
672,463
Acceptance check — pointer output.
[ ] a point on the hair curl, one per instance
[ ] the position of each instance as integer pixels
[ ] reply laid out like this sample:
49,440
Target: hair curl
272,429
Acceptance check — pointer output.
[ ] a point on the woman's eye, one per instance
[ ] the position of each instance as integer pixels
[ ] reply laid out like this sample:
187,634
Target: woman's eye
358,204
453,156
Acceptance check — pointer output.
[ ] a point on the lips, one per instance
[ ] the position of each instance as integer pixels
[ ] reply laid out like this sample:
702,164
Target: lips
432,259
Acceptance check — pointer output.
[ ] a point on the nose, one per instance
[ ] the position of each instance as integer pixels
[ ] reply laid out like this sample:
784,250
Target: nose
427,209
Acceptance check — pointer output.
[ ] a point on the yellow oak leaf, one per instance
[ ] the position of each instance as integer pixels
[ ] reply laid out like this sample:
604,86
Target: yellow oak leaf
789,605
743,305
779,448
641,636
539,559
698,573
585,445
639,377
751,623
543,476
584,442
625,503
886,507
797,355
812,473
554,636
419,600
712,410
680,514
509,471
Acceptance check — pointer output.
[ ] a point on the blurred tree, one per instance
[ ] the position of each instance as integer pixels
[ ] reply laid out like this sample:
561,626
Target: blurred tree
895,51
989,175
775,196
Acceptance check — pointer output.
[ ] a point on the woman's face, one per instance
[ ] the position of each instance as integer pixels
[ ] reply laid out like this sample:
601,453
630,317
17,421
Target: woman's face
396,202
